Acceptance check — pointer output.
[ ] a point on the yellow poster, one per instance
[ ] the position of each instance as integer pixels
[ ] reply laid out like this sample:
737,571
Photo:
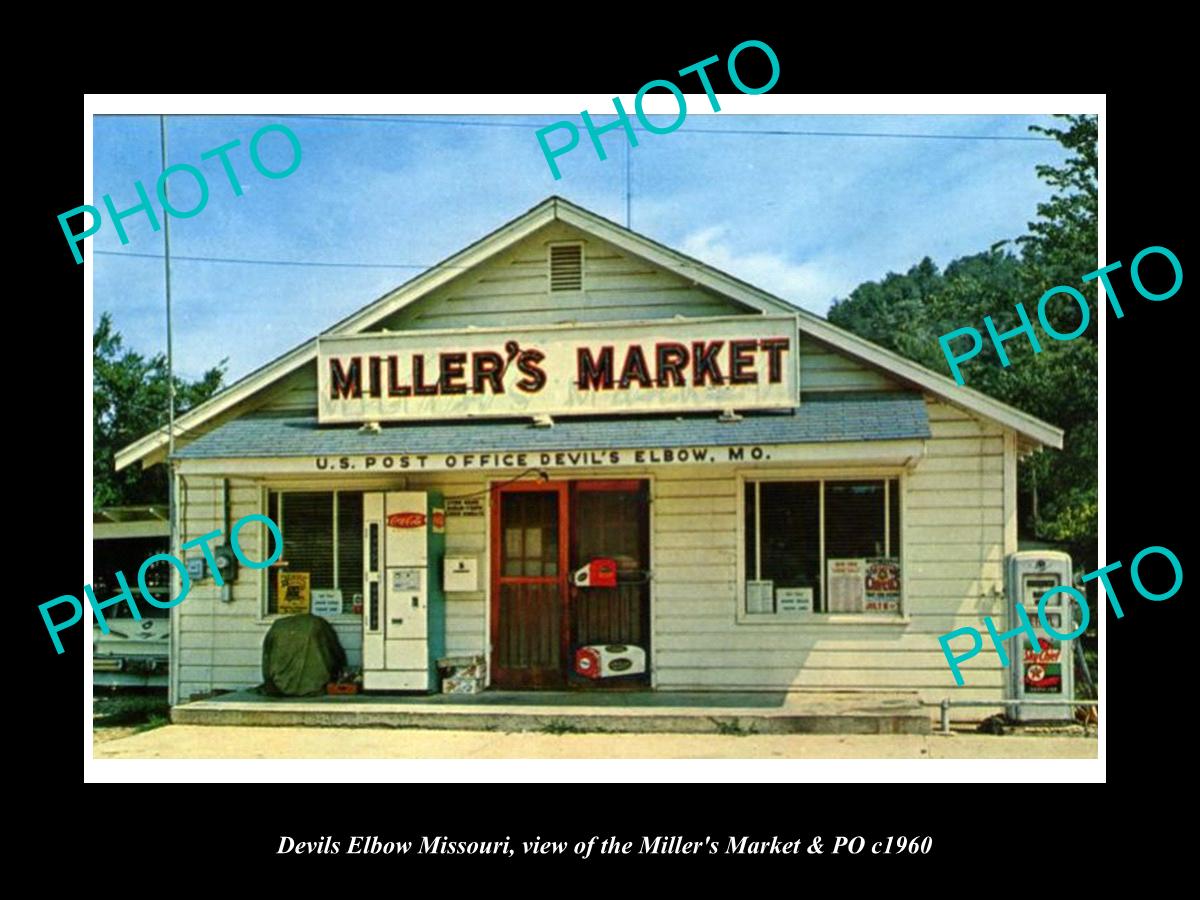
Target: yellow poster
293,593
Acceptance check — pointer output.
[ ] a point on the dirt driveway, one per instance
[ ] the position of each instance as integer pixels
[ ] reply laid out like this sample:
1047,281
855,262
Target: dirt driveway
256,742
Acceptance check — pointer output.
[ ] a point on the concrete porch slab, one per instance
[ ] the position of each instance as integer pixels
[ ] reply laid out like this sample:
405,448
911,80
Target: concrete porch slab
763,712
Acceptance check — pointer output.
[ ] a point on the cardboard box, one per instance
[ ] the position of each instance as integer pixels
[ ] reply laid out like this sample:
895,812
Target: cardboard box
462,684
463,674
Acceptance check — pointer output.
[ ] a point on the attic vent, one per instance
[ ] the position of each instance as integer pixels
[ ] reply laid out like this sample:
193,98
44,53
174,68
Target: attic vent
566,267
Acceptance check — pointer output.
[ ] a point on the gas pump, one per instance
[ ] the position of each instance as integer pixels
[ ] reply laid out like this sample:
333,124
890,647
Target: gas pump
404,619
1048,674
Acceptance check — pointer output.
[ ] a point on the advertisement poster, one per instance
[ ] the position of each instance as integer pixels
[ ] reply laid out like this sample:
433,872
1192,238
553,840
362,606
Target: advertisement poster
293,593
794,600
883,586
1043,671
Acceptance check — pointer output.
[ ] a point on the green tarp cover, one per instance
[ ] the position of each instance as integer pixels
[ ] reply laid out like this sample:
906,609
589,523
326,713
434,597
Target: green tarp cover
301,654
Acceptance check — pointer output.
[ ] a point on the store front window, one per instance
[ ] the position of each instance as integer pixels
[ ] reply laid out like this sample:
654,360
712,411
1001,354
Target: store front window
821,546
323,540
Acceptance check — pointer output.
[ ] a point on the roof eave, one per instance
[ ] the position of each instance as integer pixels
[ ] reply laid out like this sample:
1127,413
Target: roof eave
494,242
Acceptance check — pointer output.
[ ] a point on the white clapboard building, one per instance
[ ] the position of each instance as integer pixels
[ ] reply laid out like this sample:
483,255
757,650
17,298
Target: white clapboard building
623,448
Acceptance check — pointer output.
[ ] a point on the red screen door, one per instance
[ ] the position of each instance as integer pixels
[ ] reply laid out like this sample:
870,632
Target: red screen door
529,585
611,519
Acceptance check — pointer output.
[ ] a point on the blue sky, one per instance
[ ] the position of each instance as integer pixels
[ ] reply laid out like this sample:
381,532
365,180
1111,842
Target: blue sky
805,217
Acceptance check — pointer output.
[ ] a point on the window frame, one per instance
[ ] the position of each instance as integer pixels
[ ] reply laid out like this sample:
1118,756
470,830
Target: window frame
264,615
822,619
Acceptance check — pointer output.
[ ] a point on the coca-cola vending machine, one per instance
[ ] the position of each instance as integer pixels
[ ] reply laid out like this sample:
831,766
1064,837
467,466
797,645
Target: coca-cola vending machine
404,617
1046,673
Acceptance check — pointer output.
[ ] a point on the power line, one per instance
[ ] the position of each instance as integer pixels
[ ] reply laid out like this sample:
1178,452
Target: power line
763,132
685,264
772,132
878,134
524,125
277,262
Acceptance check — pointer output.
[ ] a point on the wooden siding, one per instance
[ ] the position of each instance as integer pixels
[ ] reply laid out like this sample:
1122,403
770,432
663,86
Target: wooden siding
958,520
514,289
296,392
700,644
220,644
954,546
824,369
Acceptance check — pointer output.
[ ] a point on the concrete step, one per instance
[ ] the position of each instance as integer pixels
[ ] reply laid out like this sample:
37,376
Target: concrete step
772,712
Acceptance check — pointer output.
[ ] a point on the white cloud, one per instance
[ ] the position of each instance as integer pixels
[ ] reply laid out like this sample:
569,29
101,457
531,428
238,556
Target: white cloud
810,285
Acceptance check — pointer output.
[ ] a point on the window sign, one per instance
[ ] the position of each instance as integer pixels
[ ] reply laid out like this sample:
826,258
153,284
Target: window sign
759,597
847,585
795,601
293,593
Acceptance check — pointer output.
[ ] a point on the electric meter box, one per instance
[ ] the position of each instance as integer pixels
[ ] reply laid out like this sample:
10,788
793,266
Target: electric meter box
197,568
460,573
1047,674
227,563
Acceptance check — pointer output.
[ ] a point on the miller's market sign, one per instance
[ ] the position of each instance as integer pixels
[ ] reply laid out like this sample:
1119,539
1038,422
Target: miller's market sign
737,362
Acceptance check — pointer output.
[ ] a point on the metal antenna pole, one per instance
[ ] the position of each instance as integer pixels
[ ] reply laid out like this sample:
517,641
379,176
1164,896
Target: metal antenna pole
171,360
627,215
174,531
162,132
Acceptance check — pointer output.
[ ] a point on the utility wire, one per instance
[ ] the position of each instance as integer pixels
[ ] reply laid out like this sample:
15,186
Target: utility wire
278,262
524,125
684,264
766,132
700,130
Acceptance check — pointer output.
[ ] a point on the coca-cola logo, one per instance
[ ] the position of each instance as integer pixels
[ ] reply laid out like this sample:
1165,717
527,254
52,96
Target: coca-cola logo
406,520
439,519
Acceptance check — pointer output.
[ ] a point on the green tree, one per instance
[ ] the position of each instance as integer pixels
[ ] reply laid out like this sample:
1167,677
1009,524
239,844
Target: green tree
1062,243
908,313
129,400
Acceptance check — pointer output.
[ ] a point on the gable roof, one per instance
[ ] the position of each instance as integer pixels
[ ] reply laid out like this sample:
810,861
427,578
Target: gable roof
152,447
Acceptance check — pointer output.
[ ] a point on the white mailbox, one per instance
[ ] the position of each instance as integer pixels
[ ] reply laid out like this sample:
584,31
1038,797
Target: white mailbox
460,573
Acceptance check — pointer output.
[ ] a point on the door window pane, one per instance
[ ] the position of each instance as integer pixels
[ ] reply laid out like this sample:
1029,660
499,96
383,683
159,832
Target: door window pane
530,522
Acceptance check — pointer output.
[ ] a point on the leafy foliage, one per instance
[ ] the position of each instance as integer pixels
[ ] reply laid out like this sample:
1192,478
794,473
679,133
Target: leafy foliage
130,397
907,313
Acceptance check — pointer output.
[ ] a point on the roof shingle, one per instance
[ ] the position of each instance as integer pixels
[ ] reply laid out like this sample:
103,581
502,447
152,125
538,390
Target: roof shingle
817,420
